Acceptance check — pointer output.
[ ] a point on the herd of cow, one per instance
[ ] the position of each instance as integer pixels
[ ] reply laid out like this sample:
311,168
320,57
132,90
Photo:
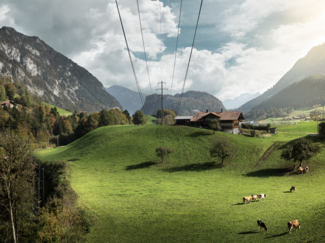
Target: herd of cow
292,224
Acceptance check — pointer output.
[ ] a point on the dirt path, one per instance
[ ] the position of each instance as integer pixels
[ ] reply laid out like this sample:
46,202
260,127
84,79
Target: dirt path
268,152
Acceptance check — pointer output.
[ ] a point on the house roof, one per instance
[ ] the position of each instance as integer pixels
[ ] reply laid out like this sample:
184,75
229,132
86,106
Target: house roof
200,115
183,117
230,115
6,102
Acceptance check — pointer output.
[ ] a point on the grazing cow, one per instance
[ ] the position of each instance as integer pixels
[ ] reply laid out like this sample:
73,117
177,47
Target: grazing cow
262,196
254,197
261,224
300,170
293,188
247,199
293,224
306,169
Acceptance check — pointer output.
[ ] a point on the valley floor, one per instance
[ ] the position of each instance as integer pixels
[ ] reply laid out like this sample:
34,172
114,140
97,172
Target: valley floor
191,197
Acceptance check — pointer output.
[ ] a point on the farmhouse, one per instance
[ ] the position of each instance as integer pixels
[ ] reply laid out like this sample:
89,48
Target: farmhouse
8,103
228,120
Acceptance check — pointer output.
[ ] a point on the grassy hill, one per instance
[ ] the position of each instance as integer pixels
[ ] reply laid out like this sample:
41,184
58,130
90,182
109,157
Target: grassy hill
191,197
150,119
61,111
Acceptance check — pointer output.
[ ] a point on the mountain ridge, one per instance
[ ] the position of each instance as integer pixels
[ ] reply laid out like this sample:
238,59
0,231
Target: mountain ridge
312,64
49,74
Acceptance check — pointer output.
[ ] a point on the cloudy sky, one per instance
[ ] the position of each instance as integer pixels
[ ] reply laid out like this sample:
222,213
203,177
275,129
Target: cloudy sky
242,46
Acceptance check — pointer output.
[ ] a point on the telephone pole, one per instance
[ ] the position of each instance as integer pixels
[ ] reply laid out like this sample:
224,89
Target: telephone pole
162,100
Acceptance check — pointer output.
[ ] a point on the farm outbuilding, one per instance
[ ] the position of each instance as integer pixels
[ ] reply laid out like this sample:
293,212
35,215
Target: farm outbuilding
321,128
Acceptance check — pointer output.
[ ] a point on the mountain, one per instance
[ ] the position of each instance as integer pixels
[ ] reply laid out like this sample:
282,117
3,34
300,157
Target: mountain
192,102
312,63
307,92
130,100
239,100
50,75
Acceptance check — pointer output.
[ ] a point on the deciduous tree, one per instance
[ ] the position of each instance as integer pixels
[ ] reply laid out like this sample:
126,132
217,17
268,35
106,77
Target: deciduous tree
303,149
17,187
139,118
164,152
222,148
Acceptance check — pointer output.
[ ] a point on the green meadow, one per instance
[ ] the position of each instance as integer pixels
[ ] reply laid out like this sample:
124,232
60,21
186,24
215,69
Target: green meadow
61,111
191,197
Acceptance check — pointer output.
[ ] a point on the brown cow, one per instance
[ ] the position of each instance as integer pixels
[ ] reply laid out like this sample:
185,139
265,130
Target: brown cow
293,224
293,188
247,199
300,170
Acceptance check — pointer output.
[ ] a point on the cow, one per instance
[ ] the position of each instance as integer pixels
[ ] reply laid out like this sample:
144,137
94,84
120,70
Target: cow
262,196
293,224
306,169
254,197
261,224
300,170
293,188
247,199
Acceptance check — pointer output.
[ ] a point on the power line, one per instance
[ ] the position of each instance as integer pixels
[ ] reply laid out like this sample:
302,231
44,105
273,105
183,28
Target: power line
144,49
179,25
189,60
160,37
127,45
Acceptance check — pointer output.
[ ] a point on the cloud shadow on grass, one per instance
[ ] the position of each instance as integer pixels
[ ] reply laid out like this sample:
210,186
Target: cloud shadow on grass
199,134
248,232
140,166
196,167
270,172
273,236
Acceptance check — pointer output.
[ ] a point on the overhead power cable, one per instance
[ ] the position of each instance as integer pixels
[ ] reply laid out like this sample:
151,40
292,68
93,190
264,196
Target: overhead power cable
179,25
189,60
160,37
134,73
144,49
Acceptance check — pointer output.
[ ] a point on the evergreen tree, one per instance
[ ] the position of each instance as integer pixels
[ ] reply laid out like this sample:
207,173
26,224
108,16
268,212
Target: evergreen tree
10,90
2,93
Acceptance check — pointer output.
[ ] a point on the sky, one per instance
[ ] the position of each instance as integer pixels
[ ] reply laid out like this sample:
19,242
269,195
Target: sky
241,46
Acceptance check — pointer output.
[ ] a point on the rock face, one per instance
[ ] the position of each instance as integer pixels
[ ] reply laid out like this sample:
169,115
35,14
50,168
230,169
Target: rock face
192,102
52,76
130,100
313,63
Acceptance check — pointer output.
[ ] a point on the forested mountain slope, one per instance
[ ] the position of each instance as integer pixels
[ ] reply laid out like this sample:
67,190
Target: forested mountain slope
313,63
192,102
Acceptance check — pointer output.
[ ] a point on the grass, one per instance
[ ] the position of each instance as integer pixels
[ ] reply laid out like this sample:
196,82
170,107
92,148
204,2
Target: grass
306,127
150,119
61,111
191,197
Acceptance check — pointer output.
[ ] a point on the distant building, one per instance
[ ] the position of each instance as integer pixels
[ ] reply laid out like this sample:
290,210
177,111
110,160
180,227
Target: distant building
273,130
287,118
83,112
229,121
8,103
321,128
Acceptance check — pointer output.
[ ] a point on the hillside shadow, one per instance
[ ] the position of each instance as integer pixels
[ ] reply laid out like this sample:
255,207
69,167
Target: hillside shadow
273,236
140,166
196,167
270,172
199,134
248,232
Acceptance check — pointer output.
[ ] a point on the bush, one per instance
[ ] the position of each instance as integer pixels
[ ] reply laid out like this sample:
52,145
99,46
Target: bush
253,133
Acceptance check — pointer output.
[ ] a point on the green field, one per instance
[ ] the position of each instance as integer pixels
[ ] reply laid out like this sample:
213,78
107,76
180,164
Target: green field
150,119
191,197
61,111
306,127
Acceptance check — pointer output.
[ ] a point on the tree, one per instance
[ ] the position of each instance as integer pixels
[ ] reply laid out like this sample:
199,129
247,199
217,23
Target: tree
268,127
222,148
303,149
127,115
139,118
164,152
10,90
214,124
17,187
2,93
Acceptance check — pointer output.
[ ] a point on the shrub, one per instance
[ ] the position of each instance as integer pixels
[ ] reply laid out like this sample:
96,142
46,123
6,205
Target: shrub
253,133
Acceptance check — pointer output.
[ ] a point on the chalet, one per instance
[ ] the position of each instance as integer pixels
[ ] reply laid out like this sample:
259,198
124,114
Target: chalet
229,121
8,103
287,118
296,118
